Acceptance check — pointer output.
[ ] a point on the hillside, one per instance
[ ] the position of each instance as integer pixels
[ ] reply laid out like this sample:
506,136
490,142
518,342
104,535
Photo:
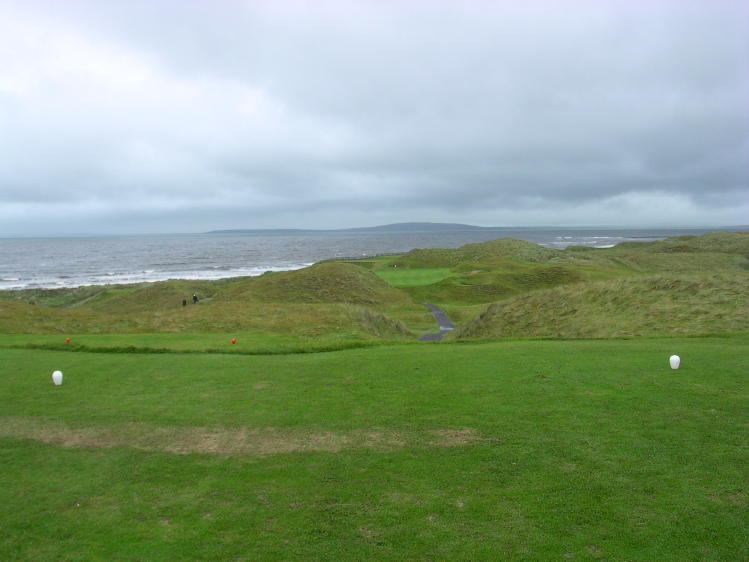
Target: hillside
487,252
710,252
327,282
636,306
329,300
598,292
498,269
489,271
723,242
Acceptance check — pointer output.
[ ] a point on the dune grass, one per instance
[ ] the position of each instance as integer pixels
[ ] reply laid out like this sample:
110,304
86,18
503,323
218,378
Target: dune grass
513,450
380,297
314,320
638,306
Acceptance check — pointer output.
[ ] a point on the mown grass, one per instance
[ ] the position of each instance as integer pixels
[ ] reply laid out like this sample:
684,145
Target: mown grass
413,277
167,441
511,450
247,343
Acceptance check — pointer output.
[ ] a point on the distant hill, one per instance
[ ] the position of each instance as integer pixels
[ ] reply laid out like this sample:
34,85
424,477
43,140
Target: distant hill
397,227
424,227
419,227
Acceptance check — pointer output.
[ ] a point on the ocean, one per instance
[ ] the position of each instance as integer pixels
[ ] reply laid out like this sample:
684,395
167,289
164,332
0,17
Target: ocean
33,263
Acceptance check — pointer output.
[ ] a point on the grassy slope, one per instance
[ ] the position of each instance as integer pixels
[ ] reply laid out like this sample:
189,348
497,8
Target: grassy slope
341,300
710,252
649,305
331,301
325,322
499,269
590,449
118,298
494,270
327,282
504,269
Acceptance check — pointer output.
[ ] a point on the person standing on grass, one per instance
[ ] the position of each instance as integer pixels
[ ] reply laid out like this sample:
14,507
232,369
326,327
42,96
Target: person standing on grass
195,299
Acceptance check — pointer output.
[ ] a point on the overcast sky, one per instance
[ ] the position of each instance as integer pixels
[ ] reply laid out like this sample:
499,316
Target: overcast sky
185,116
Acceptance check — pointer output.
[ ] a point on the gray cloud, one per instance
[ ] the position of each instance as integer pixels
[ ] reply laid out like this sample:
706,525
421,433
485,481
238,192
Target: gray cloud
184,116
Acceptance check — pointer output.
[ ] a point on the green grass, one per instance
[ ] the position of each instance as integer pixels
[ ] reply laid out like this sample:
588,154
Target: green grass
246,342
379,297
413,277
309,321
168,442
654,305
507,450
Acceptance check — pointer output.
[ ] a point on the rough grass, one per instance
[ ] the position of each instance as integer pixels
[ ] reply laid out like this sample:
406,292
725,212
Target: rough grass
329,301
299,320
480,283
684,262
117,299
342,300
723,242
555,450
327,282
501,249
639,306
150,297
496,270
710,252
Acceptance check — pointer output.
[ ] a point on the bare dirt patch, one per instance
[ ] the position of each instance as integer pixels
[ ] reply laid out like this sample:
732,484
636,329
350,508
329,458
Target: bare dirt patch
226,440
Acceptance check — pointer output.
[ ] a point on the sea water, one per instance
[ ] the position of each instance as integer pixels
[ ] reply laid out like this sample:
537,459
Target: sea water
27,263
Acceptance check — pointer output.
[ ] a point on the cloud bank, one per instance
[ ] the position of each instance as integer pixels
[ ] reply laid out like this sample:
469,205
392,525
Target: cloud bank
173,116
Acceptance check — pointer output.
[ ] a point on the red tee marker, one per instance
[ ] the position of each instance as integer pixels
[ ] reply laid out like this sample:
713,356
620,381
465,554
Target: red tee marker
67,340
234,340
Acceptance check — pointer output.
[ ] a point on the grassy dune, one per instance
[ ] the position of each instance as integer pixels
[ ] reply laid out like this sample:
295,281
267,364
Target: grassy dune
306,323
326,302
327,282
639,306
379,298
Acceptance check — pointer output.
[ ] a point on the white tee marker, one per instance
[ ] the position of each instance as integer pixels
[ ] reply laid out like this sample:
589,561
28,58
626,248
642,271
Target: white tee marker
57,378
674,361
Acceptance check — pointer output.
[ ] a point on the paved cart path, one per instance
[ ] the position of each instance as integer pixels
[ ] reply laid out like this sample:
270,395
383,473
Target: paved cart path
442,319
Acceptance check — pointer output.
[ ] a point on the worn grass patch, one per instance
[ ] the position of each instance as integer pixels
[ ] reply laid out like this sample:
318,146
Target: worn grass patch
226,440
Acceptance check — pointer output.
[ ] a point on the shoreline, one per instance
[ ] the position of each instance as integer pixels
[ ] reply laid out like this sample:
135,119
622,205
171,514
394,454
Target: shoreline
70,264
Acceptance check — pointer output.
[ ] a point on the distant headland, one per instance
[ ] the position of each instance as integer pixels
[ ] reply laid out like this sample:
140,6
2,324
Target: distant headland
397,227
405,227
